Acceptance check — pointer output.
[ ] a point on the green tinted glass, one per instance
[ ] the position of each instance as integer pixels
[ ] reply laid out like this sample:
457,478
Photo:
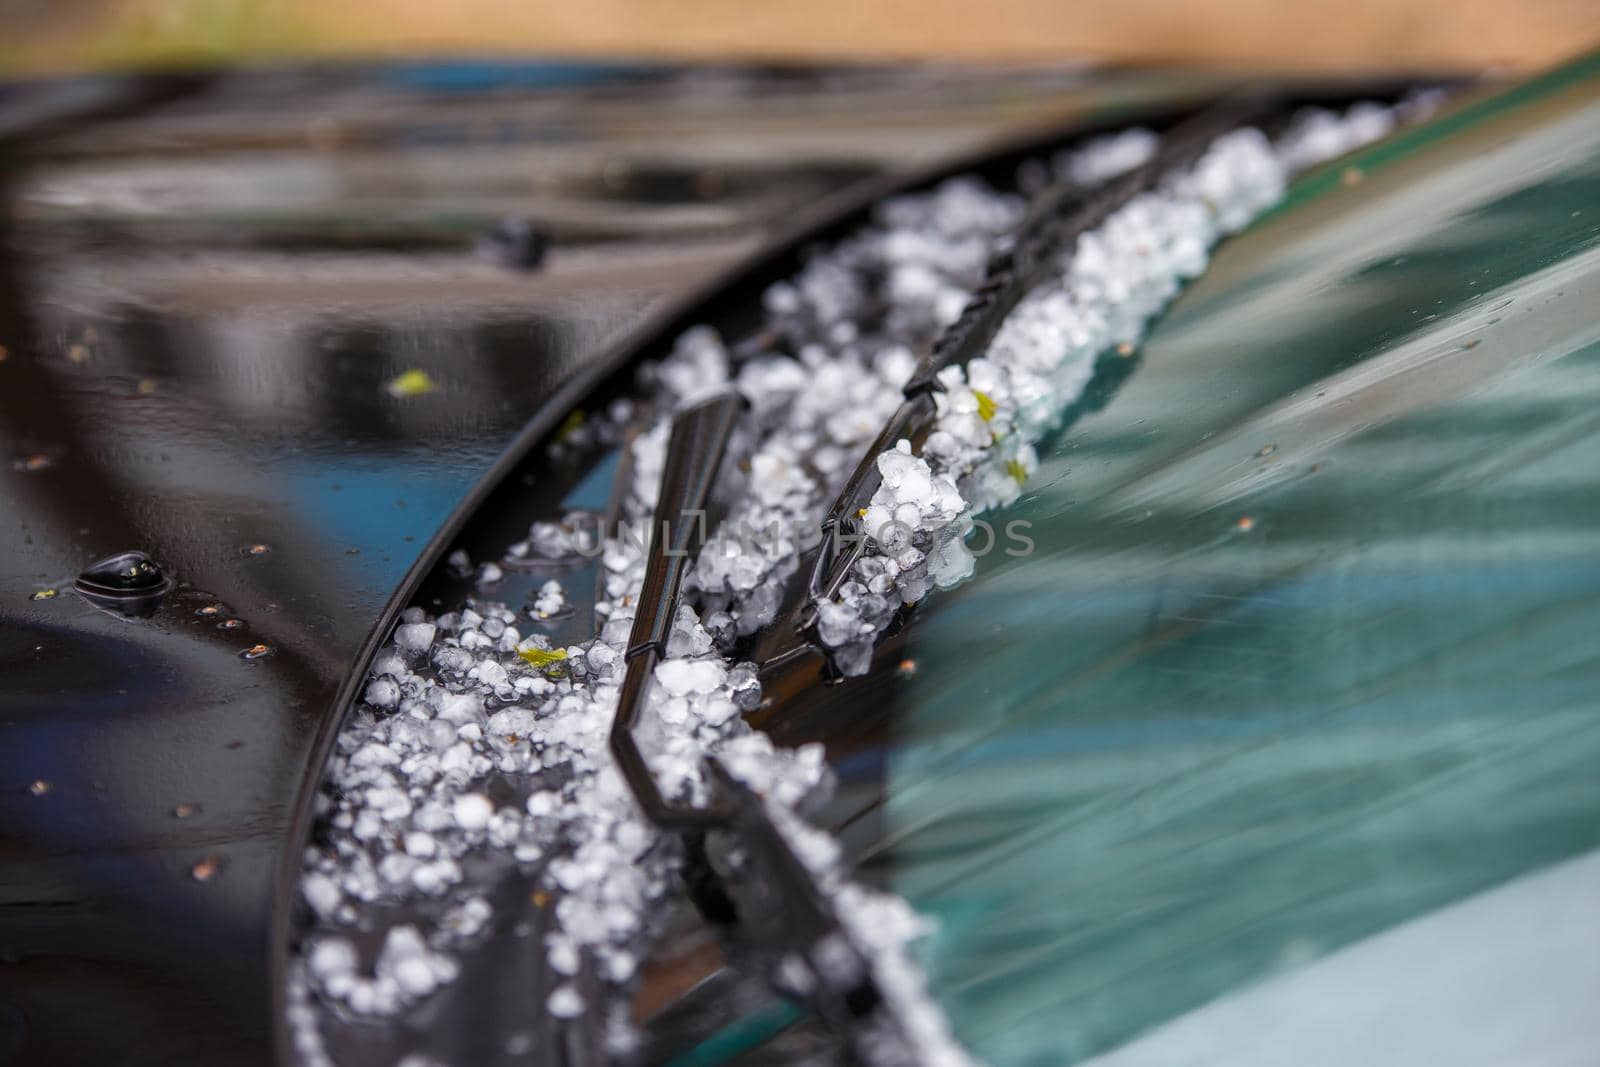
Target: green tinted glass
1308,645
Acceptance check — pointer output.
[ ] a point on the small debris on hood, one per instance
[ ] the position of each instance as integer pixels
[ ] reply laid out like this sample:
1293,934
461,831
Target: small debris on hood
409,384
207,869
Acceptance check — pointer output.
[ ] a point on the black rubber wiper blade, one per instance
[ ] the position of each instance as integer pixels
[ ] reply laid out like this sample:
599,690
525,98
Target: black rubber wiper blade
1057,216
700,436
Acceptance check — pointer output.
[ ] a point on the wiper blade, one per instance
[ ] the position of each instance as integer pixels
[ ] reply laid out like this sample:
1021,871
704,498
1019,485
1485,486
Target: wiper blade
1058,215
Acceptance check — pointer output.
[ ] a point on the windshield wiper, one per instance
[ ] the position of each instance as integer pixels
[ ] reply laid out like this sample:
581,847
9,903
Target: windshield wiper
779,922
1058,215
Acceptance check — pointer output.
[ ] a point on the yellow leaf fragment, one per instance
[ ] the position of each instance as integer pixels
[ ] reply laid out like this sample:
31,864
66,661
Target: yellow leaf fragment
570,425
542,657
409,384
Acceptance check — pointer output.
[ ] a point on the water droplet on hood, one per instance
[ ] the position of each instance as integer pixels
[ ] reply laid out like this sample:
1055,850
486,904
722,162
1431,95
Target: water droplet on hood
514,242
130,583
125,572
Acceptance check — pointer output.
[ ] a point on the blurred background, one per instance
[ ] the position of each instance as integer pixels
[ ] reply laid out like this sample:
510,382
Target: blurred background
45,36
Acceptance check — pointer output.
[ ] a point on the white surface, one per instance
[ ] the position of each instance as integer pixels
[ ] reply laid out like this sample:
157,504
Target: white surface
1508,978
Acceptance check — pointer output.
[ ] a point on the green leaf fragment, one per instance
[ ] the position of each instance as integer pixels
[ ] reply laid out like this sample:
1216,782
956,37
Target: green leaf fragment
986,406
1017,471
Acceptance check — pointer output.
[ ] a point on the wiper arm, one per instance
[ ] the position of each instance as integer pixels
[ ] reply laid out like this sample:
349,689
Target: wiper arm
699,439
784,925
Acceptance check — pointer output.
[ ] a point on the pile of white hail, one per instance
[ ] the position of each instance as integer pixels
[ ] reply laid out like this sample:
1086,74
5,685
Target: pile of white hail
991,412
477,703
